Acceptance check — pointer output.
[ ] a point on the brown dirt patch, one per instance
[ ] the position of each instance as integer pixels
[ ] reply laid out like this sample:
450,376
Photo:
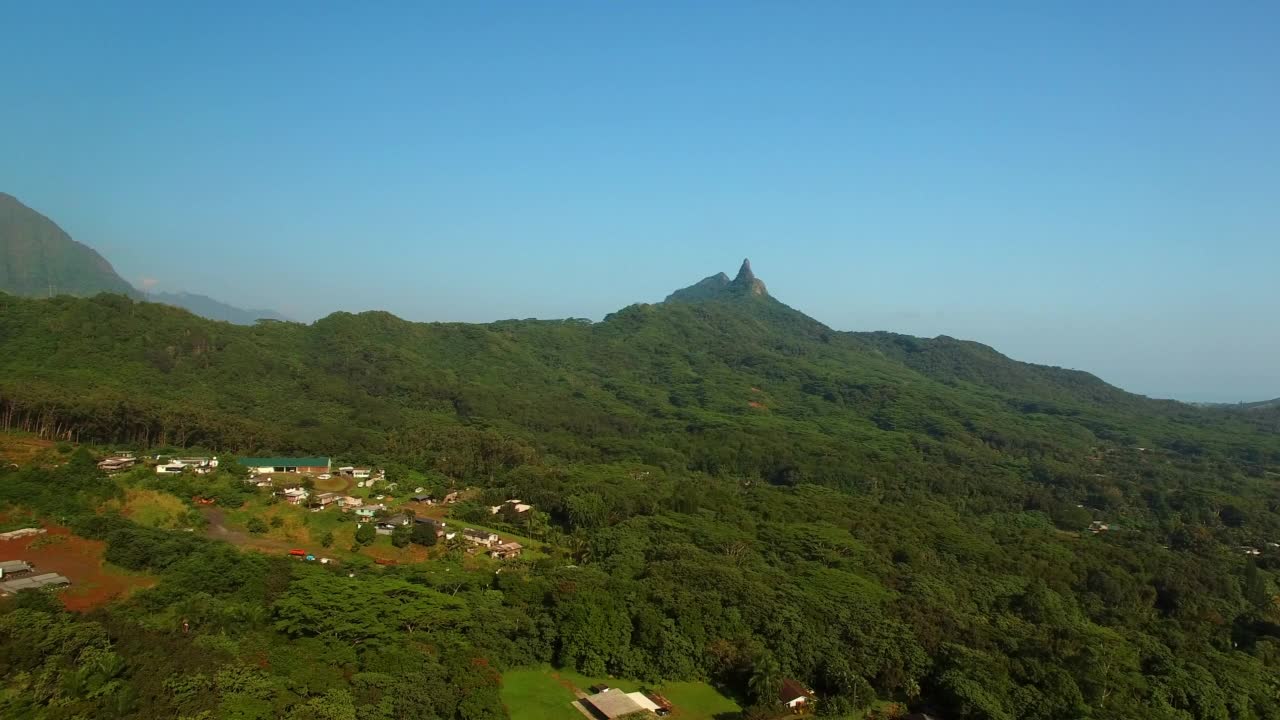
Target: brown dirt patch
755,404
93,582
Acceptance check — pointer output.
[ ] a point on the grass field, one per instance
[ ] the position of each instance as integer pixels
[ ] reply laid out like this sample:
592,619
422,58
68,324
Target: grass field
154,508
536,695
545,694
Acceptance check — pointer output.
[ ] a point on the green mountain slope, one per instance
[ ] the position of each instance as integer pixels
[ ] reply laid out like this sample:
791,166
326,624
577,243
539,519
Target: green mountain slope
728,489
38,259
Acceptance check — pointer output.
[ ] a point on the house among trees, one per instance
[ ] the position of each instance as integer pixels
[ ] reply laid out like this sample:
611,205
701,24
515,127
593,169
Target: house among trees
309,465
794,695
324,500
117,463
295,495
386,526
480,537
424,497
368,511
437,525
506,550
346,501
510,509
174,466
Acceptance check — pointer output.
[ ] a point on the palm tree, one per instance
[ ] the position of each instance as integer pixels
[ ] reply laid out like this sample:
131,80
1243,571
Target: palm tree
766,680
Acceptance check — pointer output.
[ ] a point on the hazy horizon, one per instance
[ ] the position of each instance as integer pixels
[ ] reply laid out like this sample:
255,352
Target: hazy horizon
1096,191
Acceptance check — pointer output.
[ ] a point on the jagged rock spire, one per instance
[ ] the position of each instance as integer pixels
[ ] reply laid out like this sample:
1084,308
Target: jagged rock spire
719,286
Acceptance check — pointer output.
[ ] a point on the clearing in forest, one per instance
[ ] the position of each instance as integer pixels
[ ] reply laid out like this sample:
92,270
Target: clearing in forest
546,694
93,580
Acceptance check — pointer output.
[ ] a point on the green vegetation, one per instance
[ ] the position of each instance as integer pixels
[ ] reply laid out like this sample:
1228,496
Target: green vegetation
726,491
545,694
533,694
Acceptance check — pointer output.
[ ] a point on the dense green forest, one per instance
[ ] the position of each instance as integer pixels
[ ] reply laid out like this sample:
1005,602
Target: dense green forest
736,493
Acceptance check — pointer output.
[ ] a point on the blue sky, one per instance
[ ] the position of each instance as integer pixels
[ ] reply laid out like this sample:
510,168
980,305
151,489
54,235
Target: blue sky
1093,185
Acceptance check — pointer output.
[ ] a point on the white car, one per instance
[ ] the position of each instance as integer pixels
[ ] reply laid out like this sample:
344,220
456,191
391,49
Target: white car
324,476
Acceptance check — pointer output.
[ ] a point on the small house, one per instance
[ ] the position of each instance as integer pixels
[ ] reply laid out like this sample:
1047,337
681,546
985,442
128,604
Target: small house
295,495
346,501
438,525
368,511
506,550
9,568
324,500
424,497
170,468
510,508
794,695
480,537
386,526
117,463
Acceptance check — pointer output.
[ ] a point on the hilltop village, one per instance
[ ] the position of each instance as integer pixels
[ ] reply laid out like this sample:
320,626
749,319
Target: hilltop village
311,501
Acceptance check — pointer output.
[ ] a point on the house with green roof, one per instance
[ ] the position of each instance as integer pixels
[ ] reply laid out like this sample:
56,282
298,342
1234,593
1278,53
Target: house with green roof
311,465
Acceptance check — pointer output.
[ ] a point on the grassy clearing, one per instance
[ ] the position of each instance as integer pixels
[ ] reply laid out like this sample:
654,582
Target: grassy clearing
697,700
155,508
22,448
333,484
535,695
545,694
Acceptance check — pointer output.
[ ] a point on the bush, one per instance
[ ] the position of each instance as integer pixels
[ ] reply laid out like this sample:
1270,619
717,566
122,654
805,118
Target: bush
424,534
365,534
256,526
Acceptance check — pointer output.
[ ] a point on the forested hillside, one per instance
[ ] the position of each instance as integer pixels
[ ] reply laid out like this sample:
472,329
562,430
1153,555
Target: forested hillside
740,493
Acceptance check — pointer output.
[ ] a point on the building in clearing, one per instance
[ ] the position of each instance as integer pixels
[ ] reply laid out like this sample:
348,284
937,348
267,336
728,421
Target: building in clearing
24,532
117,463
614,703
34,582
480,537
9,568
310,465
506,550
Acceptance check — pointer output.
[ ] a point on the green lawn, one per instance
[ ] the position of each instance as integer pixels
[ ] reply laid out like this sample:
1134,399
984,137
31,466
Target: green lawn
543,694
535,695
697,701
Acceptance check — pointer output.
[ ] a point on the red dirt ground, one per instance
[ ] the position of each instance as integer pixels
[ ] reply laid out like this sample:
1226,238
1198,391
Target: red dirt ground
80,560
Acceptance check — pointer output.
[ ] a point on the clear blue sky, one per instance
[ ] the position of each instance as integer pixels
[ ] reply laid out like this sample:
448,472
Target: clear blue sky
1087,184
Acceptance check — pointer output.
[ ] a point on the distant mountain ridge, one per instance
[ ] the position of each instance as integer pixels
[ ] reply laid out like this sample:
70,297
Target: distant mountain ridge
207,307
39,259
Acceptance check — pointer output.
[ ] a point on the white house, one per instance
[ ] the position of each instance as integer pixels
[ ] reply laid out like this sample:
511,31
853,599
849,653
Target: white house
296,495
793,694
